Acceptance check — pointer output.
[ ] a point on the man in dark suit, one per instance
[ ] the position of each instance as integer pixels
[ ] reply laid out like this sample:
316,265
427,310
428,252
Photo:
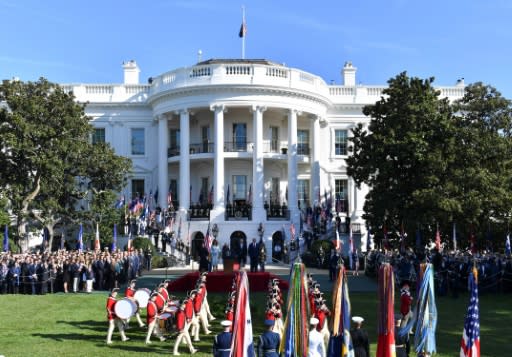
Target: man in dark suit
254,255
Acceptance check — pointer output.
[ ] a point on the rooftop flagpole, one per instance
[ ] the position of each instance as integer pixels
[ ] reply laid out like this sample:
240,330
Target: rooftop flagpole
242,32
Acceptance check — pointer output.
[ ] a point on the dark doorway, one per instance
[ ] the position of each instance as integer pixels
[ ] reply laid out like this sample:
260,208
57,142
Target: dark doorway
238,246
277,246
197,243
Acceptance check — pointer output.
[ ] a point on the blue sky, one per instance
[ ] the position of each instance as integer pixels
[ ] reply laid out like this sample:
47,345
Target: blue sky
86,41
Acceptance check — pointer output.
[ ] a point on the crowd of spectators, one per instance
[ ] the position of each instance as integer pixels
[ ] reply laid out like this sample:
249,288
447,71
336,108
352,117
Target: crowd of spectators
451,269
69,271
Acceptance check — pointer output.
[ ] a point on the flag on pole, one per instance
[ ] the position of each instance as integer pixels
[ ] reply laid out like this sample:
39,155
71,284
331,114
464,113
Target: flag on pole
386,317
243,29
207,240
97,238
6,238
292,231
338,240
169,200
295,336
210,196
454,236
242,340
114,239
227,196
120,202
249,196
340,342
507,245
402,240
425,313
470,344
368,239
80,239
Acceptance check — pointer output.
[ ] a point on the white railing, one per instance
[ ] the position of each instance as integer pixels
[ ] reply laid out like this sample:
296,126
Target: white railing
239,70
99,89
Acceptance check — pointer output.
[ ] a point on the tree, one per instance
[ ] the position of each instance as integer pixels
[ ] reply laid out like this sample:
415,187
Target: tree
46,152
405,154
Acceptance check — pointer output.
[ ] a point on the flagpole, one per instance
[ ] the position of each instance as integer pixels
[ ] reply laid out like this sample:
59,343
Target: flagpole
243,29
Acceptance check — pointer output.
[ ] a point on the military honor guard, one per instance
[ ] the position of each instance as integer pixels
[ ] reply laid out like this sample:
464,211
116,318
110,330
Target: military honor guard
113,320
130,293
316,347
152,312
268,344
359,338
222,342
192,320
182,327
405,302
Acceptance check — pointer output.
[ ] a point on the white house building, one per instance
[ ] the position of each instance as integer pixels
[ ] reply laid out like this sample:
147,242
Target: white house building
239,143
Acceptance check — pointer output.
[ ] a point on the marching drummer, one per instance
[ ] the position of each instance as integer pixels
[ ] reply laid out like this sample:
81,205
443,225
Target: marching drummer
130,293
152,320
202,285
192,320
182,326
200,311
113,319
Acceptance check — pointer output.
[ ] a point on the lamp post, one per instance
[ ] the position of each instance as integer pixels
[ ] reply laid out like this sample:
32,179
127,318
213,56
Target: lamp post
215,231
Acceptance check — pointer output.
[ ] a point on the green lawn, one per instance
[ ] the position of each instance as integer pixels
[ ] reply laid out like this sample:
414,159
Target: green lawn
75,325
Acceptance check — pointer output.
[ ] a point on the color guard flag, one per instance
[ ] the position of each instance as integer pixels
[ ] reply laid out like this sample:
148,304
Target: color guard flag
470,344
507,245
438,240
114,239
80,239
243,30
6,239
97,238
241,343
207,240
454,236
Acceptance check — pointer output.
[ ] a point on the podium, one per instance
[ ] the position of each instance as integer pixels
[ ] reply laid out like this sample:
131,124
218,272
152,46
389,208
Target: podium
231,265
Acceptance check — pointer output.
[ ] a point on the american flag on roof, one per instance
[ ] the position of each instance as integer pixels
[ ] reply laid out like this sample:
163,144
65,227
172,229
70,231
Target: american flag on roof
470,344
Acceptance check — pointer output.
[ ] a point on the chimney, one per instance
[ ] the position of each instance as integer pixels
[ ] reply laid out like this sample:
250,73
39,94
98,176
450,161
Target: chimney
349,74
131,72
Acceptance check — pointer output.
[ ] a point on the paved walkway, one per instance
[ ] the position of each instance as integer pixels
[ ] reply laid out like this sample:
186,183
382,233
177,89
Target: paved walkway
360,283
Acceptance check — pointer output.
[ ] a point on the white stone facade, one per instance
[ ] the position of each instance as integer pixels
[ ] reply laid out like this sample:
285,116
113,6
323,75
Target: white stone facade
249,125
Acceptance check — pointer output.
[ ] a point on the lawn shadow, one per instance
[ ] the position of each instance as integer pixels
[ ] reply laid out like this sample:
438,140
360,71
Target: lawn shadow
87,324
68,337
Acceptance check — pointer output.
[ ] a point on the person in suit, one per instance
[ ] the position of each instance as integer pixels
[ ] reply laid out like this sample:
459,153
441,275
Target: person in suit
254,255
268,345
359,338
222,342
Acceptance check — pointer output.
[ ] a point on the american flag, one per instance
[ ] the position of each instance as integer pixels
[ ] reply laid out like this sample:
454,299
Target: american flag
470,344
207,240
292,231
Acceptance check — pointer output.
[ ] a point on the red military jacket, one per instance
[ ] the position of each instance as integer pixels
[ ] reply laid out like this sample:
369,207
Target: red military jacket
180,319
405,303
129,292
321,315
165,294
151,312
189,310
198,301
111,302
160,302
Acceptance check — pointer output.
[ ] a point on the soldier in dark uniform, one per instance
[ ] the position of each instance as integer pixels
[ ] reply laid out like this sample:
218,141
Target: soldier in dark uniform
268,345
401,342
359,338
222,342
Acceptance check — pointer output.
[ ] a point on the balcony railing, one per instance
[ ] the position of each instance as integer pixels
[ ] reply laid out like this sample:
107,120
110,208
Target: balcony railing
237,146
199,213
277,212
235,212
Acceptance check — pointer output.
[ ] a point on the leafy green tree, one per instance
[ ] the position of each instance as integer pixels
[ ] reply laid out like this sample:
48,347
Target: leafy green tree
49,164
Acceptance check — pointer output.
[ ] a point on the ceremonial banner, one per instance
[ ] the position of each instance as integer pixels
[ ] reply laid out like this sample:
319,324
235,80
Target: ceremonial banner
386,322
241,342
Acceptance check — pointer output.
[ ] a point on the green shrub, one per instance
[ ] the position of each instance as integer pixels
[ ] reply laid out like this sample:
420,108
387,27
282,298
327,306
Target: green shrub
158,261
144,244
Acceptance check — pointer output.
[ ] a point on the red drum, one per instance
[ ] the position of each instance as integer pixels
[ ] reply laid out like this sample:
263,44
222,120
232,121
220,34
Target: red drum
125,308
142,297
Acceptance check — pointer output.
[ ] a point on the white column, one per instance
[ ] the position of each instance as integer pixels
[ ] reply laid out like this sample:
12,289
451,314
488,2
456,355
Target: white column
258,179
184,161
218,164
315,160
163,166
292,168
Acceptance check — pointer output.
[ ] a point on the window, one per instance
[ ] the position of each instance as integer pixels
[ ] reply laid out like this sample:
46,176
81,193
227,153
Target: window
340,142
98,136
174,139
204,195
341,195
303,192
274,139
239,187
302,142
275,192
240,137
205,137
138,142
137,188
173,189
